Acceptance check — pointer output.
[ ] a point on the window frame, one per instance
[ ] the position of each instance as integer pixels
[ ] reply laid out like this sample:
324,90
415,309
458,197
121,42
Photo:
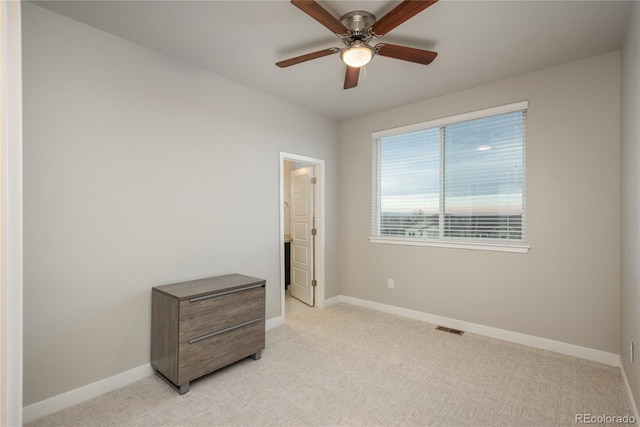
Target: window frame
473,244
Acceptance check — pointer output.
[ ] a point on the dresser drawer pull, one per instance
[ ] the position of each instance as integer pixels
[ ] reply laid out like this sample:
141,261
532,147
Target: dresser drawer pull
233,291
222,331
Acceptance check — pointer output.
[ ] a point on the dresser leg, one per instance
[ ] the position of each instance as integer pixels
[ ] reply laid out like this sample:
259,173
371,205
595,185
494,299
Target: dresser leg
183,388
257,355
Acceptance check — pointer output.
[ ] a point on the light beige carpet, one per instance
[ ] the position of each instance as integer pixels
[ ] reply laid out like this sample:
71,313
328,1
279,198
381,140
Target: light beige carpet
349,366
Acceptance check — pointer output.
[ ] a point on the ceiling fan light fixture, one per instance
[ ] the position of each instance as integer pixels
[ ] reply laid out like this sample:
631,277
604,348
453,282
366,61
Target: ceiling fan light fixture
356,55
356,29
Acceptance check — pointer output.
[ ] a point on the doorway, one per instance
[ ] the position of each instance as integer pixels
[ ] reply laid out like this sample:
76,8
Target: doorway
302,232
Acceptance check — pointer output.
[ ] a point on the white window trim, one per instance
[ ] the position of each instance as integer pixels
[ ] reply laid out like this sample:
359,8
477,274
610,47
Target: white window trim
522,247
479,246
492,111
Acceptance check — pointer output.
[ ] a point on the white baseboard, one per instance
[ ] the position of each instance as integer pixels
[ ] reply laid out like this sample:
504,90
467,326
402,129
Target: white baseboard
333,300
275,322
515,337
629,392
79,395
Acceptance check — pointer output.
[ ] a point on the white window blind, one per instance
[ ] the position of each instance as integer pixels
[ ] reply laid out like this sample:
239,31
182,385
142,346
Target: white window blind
460,179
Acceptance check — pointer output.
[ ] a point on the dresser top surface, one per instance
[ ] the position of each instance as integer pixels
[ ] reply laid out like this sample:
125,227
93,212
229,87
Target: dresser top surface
195,288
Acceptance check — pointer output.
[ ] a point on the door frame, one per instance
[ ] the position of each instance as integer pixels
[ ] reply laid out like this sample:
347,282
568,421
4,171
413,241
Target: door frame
319,253
11,258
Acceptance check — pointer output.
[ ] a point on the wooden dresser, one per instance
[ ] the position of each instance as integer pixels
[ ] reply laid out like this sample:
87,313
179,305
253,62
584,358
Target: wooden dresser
203,325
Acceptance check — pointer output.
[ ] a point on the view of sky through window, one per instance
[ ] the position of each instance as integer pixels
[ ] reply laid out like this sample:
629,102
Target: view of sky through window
482,163
410,172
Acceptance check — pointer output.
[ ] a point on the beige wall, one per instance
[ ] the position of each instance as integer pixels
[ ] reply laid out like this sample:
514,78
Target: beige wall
566,287
141,170
630,193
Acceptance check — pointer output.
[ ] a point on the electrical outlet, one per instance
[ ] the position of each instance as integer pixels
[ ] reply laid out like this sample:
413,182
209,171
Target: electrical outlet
632,353
391,283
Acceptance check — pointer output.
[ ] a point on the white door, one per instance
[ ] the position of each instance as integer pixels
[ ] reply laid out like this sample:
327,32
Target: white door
302,242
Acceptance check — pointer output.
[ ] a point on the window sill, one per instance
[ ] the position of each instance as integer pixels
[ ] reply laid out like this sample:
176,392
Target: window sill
484,246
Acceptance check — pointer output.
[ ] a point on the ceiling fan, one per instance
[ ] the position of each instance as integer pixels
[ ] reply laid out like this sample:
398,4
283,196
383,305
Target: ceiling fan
357,29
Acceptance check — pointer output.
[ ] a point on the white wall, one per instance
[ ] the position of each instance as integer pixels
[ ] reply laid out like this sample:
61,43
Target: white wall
630,194
566,288
140,170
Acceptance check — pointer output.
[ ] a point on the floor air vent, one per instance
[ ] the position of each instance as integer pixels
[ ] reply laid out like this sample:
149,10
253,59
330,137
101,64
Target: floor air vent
450,330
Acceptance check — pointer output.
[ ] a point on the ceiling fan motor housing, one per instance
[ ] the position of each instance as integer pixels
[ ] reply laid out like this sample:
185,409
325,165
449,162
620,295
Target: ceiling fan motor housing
358,22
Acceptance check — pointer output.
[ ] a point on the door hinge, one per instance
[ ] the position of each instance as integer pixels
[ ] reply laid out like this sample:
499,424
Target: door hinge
314,231
314,283
313,179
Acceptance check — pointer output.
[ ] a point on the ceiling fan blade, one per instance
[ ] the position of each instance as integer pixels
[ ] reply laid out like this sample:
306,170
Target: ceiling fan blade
351,77
308,57
320,14
399,14
419,56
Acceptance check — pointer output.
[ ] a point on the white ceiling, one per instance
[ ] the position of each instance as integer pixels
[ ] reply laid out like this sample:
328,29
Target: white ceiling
478,42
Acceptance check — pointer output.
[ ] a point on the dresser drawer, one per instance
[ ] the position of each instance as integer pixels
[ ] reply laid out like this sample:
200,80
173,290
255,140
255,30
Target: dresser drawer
210,313
208,354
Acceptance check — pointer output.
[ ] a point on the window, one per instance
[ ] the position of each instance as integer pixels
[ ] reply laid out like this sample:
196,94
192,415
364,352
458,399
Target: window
457,181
